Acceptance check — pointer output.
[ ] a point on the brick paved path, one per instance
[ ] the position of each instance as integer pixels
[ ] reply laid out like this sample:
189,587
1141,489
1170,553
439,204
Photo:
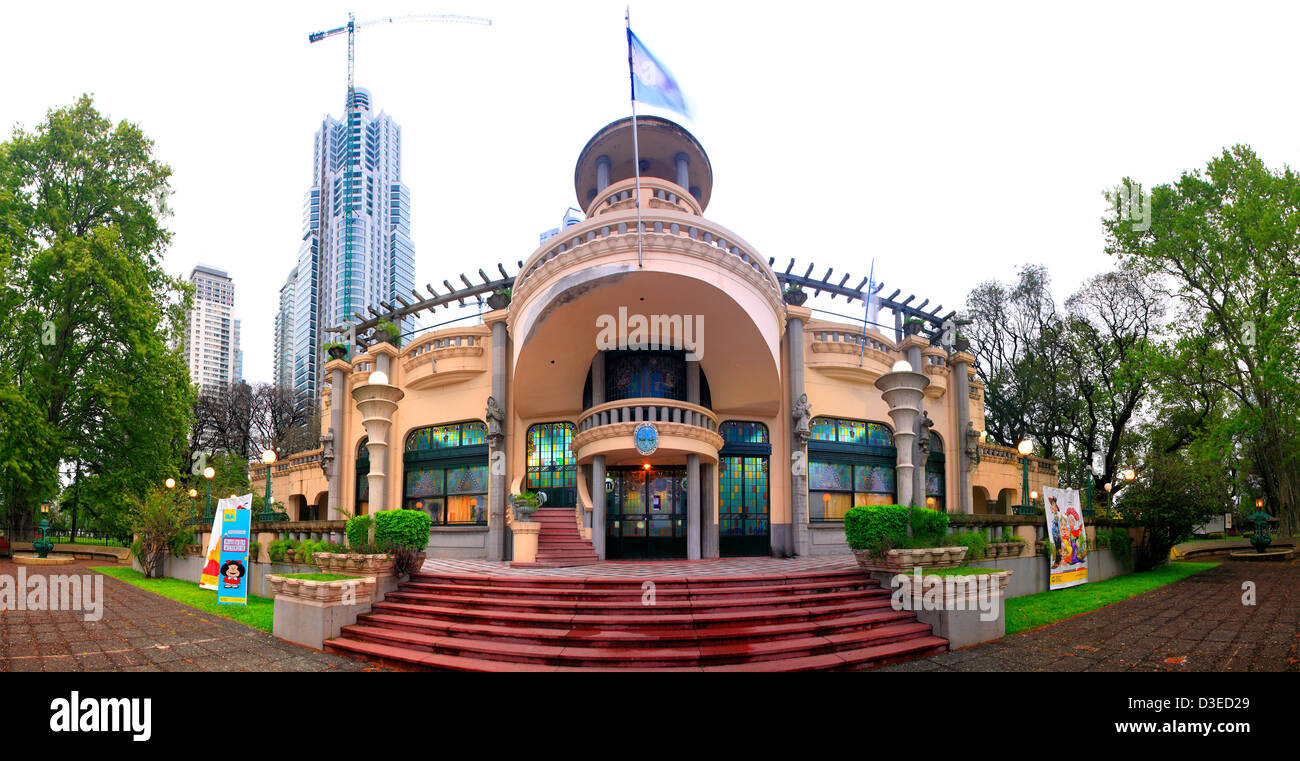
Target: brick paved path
141,631
1197,624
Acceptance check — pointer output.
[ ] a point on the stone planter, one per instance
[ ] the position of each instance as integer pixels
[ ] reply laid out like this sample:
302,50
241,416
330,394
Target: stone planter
341,562
903,561
795,298
525,541
338,352
362,589
913,327
498,300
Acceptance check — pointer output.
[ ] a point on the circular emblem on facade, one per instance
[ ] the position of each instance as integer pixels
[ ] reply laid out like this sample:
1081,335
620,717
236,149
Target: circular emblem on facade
647,438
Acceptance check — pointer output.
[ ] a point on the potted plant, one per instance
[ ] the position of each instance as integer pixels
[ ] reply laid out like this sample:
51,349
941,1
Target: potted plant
387,331
336,350
526,503
913,325
961,344
879,538
794,295
500,299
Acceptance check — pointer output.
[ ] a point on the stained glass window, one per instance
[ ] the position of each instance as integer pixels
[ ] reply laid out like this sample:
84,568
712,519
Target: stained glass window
743,496
739,432
449,495
645,374
934,472
438,437
834,487
550,462
845,431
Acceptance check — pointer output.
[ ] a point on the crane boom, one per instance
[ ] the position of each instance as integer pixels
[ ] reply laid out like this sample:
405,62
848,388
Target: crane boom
351,28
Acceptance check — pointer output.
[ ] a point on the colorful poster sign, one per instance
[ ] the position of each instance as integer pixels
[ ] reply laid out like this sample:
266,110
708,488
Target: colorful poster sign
211,565
1069,539
232,571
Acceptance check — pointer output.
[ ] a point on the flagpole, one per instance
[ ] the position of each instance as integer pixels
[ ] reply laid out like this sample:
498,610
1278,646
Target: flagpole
636,149
866,315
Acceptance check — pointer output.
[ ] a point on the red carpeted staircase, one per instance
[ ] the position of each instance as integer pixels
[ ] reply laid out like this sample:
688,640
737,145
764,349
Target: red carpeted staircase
559,543
811,620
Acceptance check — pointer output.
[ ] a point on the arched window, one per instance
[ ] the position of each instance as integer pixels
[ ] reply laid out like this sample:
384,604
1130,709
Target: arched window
551,466
850,463
446,472
362,504
645,374
934,474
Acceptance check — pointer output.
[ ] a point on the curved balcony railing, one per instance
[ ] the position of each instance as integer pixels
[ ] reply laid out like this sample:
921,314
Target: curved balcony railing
648,410
658,194
654,223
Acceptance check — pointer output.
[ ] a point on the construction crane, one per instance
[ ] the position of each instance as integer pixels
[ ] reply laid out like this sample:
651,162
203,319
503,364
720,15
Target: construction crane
351,28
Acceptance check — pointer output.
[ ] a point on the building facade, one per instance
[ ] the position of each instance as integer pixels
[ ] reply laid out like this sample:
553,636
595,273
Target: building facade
284,343
661,384
212,341
343,266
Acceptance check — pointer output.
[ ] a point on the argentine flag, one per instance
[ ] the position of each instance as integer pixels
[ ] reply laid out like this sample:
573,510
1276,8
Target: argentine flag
652,83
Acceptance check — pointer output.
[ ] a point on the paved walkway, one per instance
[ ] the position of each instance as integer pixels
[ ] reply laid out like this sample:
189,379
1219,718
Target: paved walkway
658,569
141,631
1197,624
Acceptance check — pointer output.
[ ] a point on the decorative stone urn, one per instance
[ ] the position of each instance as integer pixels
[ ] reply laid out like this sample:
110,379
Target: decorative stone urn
903,390
795,298
499,300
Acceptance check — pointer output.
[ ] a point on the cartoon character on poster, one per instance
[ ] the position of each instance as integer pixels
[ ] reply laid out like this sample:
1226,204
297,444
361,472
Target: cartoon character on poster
235,534
208,577
1066,532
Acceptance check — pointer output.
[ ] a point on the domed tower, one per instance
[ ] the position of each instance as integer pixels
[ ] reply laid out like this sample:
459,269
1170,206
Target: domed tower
650,338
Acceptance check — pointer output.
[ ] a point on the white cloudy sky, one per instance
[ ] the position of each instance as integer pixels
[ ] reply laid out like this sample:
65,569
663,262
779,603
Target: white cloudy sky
951,142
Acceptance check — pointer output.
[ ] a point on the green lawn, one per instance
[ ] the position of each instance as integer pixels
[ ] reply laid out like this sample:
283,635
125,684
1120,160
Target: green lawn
257,614
89,542
320,576
1033,611
960,571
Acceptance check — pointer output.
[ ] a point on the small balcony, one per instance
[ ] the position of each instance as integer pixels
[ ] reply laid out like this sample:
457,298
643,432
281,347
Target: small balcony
683,428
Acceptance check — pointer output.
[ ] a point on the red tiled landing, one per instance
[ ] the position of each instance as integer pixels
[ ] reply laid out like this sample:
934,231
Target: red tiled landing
812,619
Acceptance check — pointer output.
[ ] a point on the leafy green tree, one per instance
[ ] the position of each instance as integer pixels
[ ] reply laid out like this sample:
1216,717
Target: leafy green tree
1174,493
90,318
1225,241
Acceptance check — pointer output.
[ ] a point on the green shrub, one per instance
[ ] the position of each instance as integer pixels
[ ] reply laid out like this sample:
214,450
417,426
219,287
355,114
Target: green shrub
1121,544
865,526
307,548
276,550
179,545
1215,535
880,528
358,530
977,543
254,551
402,528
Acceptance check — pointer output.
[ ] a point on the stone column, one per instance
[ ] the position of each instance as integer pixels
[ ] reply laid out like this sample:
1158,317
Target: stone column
959,382
912,345
338,370
598,505
602,172
800,415
683,170
693,381
708,504
598,379
377,402
903,391
498,444
693,507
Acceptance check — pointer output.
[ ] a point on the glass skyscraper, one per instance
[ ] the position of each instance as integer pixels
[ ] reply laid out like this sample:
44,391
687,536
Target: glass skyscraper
356,163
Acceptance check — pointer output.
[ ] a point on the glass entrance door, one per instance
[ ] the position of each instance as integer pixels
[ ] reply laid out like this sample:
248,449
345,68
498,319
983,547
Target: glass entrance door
646,513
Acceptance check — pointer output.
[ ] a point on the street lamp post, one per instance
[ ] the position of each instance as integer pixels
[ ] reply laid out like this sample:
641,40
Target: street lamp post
208,473
1025,447
268,457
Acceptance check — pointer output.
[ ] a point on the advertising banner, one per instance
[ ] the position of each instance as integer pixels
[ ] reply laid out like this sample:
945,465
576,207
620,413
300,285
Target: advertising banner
236,528
208,578
1069,540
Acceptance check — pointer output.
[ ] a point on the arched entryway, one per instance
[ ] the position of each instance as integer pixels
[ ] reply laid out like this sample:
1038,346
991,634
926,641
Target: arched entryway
1007,500
979,500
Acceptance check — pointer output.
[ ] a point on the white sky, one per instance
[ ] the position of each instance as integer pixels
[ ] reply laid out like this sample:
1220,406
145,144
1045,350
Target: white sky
949,141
